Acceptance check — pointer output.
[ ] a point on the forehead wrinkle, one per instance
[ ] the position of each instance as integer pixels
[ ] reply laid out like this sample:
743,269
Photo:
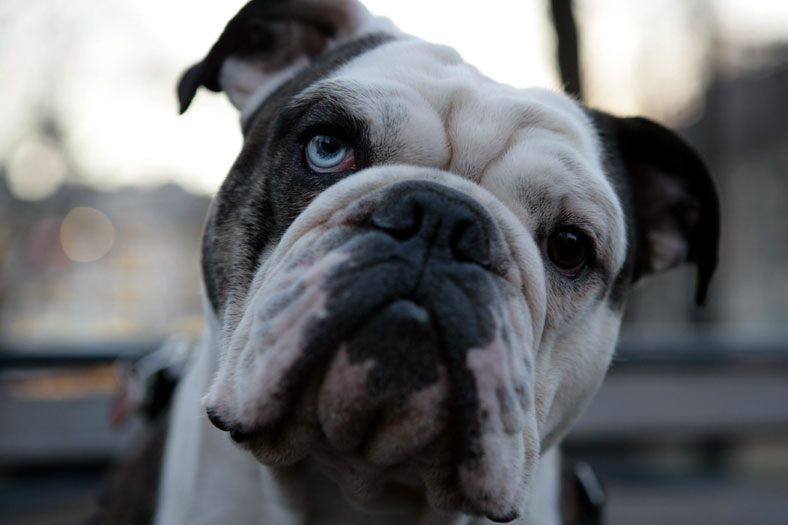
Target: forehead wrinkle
485,120
545,180
559,113
400,124
480,125
477,112
431,78
343,94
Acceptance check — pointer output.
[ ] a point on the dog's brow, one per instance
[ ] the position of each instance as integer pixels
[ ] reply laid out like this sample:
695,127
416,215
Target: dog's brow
316,110
323,91
333,97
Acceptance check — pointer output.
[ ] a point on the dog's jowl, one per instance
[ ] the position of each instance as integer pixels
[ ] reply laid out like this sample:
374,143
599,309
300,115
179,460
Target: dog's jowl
414,277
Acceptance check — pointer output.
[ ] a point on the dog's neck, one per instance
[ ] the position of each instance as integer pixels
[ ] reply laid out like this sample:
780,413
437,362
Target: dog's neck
202,460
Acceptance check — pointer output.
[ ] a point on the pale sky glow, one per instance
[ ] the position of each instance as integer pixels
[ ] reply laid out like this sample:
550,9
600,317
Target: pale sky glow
107,69
629,70
514,49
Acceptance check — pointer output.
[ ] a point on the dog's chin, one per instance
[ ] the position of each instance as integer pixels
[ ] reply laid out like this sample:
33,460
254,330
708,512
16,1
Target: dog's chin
362,354
385,390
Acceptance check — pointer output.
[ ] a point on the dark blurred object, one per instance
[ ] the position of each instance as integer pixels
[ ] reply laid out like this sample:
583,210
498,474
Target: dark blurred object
582,496
56,451
567,52
131,495
148,384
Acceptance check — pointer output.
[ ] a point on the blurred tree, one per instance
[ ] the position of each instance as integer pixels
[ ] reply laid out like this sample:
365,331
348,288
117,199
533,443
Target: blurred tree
567,52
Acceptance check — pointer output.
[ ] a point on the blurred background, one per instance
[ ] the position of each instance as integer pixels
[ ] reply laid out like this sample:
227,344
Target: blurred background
103,190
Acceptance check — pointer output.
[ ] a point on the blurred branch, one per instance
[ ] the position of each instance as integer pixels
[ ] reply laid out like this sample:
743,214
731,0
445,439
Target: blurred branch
566,34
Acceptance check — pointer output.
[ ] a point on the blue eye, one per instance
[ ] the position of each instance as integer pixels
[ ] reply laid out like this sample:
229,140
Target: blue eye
327,154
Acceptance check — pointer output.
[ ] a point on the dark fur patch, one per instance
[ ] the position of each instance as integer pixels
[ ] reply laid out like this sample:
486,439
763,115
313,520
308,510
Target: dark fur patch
617,175
643,160
269,183
132,493
275,31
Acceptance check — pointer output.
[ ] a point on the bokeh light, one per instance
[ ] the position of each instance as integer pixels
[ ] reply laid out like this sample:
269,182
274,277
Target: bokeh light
35,170
86,234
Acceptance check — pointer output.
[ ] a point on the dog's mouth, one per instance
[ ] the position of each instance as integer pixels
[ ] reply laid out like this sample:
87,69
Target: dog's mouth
385,391
390,348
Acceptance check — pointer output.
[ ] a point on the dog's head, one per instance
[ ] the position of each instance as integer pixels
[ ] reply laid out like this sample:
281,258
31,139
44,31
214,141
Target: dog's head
419,273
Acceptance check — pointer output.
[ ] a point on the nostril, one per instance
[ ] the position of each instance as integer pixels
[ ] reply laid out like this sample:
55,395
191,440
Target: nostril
469,243
452,225
401,220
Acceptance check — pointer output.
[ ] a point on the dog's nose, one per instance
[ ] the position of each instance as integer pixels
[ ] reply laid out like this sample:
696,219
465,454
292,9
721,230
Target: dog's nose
454,225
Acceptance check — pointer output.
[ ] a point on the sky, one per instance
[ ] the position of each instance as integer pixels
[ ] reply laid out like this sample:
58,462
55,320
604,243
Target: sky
106,69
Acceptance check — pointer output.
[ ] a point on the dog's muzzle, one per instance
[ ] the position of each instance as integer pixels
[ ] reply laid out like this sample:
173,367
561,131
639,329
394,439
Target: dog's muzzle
394,332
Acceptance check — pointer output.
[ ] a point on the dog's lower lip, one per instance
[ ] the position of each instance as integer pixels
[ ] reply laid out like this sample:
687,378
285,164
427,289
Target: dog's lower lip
410,308
240,435
505,518
216,420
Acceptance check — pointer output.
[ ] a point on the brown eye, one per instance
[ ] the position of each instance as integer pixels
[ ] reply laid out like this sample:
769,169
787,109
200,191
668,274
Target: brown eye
568,250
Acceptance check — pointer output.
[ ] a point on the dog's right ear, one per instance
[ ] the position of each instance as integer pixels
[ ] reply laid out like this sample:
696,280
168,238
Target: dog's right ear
266,43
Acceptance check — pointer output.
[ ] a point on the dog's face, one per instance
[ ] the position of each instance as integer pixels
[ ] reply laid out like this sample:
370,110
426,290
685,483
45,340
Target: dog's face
419,273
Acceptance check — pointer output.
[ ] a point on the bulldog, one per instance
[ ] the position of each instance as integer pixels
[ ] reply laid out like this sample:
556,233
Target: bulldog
414,277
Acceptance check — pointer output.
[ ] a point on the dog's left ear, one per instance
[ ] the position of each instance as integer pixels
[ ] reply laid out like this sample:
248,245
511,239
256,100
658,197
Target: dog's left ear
267,42
675,213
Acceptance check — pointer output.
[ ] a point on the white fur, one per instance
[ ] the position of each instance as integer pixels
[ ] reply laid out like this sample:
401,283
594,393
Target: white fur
200,460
